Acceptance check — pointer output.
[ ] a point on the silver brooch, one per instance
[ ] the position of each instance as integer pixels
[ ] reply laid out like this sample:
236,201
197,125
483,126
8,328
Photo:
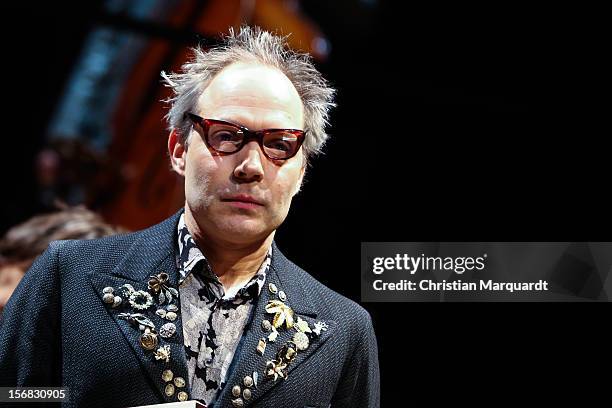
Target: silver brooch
167,330
301,341
141,300
318,327
117,301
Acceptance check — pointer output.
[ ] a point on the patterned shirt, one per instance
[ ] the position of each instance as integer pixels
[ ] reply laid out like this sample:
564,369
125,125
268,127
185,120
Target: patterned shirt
213,319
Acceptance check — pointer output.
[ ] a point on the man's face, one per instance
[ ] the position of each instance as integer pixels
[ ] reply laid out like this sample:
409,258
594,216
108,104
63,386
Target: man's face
218,187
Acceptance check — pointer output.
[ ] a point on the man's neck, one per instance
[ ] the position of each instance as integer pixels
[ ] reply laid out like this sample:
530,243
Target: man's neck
234,264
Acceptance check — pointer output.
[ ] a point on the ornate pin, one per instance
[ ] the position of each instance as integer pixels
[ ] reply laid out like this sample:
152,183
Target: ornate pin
302,325
272,288
182,396
148,340
236,390
137,319
276,369
261,346
266,325
179,382
140,300
272,336
159,285
286,353
318,327
282,296
301,340
282,313
167,330
163,353
128,289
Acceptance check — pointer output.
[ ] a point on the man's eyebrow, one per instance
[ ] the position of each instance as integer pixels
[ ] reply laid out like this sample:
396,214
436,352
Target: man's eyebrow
233,121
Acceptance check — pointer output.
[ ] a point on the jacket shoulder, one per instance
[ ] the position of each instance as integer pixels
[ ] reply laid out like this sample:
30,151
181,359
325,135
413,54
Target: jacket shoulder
112,248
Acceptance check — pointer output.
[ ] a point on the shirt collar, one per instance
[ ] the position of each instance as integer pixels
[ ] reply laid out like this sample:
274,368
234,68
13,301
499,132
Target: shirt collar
190,256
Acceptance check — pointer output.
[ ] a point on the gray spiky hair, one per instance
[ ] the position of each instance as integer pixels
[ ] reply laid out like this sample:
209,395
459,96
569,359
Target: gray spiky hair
252,45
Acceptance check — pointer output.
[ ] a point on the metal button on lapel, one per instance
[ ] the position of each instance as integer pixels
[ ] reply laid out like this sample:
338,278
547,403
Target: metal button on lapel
117,301
236,390
247,394
167,375
266,325
248,381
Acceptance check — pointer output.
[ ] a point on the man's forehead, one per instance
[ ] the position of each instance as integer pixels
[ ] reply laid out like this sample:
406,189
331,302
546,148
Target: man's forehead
255,88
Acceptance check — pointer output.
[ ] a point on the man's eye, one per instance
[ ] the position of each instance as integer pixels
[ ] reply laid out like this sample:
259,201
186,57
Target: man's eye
280,145
225,136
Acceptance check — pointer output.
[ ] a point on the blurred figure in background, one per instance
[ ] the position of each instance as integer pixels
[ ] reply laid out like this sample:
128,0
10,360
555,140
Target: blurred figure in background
23,243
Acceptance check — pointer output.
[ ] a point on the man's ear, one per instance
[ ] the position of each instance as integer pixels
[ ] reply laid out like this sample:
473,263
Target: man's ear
177,150
298,187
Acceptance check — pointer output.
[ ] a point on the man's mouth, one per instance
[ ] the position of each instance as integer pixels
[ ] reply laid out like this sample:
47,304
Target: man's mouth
242,201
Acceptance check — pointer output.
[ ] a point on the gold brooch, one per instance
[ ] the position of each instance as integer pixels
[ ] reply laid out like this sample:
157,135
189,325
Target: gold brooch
282,314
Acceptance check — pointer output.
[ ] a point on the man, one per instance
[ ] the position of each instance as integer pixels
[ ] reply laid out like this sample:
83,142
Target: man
204,305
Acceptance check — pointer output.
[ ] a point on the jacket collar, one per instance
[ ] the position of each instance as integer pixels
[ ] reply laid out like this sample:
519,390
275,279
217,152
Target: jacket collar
287,277
160,241
152,252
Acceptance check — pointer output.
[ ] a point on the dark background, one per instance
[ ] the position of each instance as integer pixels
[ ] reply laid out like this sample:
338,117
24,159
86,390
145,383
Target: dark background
463,123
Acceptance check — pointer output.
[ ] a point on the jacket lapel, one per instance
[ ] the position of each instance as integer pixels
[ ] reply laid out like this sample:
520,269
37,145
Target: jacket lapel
249,360
152,253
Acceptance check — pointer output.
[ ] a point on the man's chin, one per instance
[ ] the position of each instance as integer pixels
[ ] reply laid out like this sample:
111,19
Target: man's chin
244,231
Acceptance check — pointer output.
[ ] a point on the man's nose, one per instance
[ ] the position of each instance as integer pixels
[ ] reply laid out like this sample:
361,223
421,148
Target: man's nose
250,166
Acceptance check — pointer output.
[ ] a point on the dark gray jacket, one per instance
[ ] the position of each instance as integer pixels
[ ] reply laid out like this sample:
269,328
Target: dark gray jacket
56,330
